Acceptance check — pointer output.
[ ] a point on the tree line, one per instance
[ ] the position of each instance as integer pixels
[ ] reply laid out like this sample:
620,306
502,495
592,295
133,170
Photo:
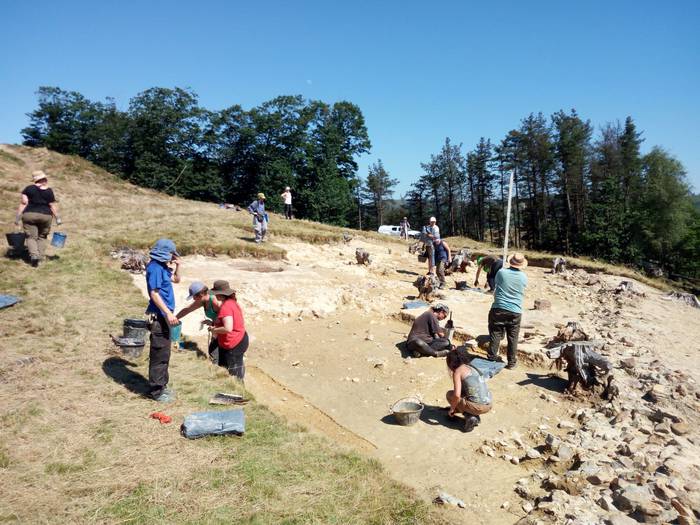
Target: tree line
573,193
576,191
165,140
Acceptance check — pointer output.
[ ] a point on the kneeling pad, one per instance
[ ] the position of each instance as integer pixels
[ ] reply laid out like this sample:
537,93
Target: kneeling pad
217,423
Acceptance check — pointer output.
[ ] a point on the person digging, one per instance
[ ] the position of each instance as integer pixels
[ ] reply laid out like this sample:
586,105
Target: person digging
491,265
426,337
470,395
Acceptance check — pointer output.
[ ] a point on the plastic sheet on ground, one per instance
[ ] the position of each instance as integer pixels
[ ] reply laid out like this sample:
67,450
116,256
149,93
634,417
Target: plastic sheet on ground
486,367
217,423
8,300
409,305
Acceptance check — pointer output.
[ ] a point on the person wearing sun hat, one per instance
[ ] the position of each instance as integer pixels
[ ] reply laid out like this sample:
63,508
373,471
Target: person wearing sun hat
229,329
36,211
161,305
257,210
507,308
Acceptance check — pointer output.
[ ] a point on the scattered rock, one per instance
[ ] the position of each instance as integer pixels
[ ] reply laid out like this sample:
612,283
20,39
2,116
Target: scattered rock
681,428
533,454
543,304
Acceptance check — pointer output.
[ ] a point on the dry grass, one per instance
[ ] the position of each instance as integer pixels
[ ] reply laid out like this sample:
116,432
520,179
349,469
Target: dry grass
76,442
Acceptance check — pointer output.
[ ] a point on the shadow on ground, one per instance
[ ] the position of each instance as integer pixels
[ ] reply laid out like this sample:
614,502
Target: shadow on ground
550,382
119,370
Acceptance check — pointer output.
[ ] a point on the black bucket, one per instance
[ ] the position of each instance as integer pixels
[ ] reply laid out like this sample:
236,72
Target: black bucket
16,240
135,328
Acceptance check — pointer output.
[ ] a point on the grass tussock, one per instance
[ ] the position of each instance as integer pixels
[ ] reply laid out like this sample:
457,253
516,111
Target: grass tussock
76,441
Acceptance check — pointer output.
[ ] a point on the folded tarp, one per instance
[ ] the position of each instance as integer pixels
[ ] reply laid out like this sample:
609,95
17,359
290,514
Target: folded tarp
217,423
486,367
8,300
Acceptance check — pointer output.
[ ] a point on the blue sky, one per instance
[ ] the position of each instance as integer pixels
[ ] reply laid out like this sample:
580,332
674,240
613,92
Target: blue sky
419,71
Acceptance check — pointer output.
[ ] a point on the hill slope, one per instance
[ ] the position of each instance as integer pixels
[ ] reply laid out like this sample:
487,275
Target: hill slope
76,442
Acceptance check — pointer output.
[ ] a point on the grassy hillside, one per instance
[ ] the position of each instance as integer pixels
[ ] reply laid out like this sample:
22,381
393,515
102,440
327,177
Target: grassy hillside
76,441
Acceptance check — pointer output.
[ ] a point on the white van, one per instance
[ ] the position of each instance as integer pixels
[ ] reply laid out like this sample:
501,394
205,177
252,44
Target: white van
395,231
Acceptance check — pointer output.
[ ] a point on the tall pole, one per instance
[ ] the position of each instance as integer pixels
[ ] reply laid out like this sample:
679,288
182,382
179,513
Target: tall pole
505,242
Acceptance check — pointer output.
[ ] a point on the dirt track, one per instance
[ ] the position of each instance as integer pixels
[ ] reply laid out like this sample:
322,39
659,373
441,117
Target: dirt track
326,354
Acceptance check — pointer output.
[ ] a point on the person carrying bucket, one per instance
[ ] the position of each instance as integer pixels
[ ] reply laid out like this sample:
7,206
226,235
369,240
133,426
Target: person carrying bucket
36,210
202,297
161,305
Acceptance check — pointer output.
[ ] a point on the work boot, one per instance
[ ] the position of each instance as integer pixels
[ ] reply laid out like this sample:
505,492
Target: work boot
470,422
441,353
166,396
511,365
35,262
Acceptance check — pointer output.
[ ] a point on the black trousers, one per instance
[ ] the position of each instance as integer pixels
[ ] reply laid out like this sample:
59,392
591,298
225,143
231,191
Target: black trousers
491,276
500,322
159,356
438,347
232,359
288,211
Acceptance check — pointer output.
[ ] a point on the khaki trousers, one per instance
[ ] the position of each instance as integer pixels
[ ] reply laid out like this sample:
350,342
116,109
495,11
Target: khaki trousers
37,227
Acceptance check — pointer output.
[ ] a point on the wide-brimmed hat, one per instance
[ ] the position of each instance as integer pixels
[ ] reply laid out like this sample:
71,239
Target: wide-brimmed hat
195,288
261,196
163,250
517,260
441,307
222,287
39,175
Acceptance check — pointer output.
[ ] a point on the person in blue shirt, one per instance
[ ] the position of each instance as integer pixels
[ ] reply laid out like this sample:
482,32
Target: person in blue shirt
507,308
161,309
442,259
257,210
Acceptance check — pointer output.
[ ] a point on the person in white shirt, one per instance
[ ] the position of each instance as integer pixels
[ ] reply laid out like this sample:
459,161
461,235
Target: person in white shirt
287,198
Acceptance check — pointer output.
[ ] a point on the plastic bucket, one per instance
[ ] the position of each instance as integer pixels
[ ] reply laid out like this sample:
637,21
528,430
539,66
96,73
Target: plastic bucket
16,240
175,332
58,239
407,411
135,328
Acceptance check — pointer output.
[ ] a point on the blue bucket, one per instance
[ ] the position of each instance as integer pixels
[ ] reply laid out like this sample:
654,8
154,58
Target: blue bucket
175,332
58,239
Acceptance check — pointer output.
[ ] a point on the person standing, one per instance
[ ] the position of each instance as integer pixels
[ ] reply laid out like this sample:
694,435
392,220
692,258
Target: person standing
161,306
229,329
426,336
431,233
491,265
287,198
442,258
257,210
404,227
507,308
36,210
207,300
470,395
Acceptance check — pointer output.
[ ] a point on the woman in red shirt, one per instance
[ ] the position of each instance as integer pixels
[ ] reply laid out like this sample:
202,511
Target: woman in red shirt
230,331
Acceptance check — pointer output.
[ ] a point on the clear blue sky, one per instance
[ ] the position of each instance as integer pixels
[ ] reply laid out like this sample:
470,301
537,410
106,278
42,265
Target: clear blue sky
419,71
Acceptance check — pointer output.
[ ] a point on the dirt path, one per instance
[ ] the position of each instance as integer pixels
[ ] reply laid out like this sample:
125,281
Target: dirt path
325,354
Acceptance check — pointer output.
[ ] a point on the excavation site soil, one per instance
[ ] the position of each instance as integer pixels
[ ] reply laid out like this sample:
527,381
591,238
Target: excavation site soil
327,353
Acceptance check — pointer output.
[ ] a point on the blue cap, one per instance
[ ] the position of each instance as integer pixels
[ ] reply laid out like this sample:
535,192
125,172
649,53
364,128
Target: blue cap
163,250
195,288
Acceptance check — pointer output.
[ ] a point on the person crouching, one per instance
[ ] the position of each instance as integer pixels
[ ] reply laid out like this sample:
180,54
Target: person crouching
470,396
229,329
426,337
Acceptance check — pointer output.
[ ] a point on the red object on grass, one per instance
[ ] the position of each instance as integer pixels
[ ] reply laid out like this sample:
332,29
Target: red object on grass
160,416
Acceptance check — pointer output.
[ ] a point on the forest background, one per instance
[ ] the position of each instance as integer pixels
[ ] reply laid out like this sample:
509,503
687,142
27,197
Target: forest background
576,190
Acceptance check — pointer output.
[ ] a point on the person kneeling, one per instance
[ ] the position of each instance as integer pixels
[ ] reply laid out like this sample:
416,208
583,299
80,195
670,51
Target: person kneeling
426,337
470,396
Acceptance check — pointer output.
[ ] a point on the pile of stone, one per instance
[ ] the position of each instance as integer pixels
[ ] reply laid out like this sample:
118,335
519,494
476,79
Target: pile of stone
134,261
681,297
636,459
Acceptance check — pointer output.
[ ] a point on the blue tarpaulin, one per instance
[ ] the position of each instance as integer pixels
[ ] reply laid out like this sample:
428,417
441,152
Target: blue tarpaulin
414,304
486,367
217,423
8,300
